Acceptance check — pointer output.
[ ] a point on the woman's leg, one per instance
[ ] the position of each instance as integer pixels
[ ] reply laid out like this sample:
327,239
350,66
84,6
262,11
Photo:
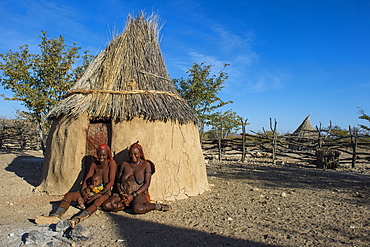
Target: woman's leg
140,205
97,203
54,217
89,211
68,198
113,203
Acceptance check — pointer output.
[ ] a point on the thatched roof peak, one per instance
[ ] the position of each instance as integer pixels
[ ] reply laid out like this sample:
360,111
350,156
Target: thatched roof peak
305,129
128,79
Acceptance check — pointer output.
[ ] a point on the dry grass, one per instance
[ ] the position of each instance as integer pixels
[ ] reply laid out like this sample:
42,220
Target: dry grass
128,79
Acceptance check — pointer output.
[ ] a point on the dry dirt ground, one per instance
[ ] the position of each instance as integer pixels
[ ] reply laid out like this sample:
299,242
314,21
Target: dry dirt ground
249,204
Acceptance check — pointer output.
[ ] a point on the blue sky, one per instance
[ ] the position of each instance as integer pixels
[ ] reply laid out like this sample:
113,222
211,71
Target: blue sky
288,59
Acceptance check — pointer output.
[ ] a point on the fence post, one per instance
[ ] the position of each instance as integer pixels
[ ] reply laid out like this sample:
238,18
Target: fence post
244,123
354,134
274,140
2,132
219,137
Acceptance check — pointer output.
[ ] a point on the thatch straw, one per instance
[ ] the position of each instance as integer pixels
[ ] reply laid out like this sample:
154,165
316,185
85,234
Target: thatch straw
128,79
305,129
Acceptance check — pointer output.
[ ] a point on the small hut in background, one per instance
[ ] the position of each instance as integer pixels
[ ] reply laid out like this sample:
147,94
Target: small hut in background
126,95
304,136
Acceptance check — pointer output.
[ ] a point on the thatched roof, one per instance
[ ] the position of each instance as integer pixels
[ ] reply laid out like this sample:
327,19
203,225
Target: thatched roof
128,79
305,129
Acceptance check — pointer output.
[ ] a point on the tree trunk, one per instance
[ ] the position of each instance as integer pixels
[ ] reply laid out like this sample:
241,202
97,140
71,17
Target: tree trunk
41,135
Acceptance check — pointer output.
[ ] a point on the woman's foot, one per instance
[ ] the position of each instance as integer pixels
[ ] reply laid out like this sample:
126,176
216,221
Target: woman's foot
77,219
52,218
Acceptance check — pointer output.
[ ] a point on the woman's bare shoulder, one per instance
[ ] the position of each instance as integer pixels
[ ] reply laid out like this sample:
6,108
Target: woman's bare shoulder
125,163
93,165
112,162
147,164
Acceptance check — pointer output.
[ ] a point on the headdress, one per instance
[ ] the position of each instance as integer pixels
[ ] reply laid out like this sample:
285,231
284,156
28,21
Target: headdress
138,147
106,148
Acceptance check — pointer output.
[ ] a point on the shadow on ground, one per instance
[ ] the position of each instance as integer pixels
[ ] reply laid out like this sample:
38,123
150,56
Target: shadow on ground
136,232
27,167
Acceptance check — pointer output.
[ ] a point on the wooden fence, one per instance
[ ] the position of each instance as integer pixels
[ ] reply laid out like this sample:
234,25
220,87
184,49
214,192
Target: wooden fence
325,153
18,135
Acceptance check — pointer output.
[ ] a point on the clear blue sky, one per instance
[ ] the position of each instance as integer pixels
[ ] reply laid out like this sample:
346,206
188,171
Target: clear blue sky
287,58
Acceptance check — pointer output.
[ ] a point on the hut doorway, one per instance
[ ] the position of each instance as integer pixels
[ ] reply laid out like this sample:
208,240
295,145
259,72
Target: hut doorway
99,132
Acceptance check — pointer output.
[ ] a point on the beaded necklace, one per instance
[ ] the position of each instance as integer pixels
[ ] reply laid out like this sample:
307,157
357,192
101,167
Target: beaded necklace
134,165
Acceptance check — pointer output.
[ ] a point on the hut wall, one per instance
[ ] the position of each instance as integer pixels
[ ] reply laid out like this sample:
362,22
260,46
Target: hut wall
64,155
174,149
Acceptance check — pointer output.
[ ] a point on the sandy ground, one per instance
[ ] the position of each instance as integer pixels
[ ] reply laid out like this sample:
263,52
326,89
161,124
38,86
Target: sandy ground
249,204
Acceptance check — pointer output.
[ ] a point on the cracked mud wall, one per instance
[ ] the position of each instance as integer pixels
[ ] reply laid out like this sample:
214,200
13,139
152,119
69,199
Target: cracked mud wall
65,150
174,149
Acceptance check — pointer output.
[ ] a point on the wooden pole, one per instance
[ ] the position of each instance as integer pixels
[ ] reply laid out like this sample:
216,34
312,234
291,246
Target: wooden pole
274,139
219,135
244,123
354,134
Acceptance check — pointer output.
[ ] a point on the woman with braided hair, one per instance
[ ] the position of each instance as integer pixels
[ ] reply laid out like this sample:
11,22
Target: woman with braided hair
132,184
107,167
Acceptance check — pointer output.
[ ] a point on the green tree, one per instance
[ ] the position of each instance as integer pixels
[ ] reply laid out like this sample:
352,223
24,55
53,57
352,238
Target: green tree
225,123
337,131
200,90
365,117
40,80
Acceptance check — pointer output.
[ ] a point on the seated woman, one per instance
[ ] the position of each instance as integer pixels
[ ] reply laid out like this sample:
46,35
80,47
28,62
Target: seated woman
132,184
105,166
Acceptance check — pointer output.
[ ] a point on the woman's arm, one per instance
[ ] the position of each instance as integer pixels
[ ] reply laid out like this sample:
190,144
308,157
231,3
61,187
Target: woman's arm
93,198
112,176
121,169
89,174
119,177
147,178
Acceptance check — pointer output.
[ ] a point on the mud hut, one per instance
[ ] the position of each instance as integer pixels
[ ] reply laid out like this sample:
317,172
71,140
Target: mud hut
126,95
303,136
